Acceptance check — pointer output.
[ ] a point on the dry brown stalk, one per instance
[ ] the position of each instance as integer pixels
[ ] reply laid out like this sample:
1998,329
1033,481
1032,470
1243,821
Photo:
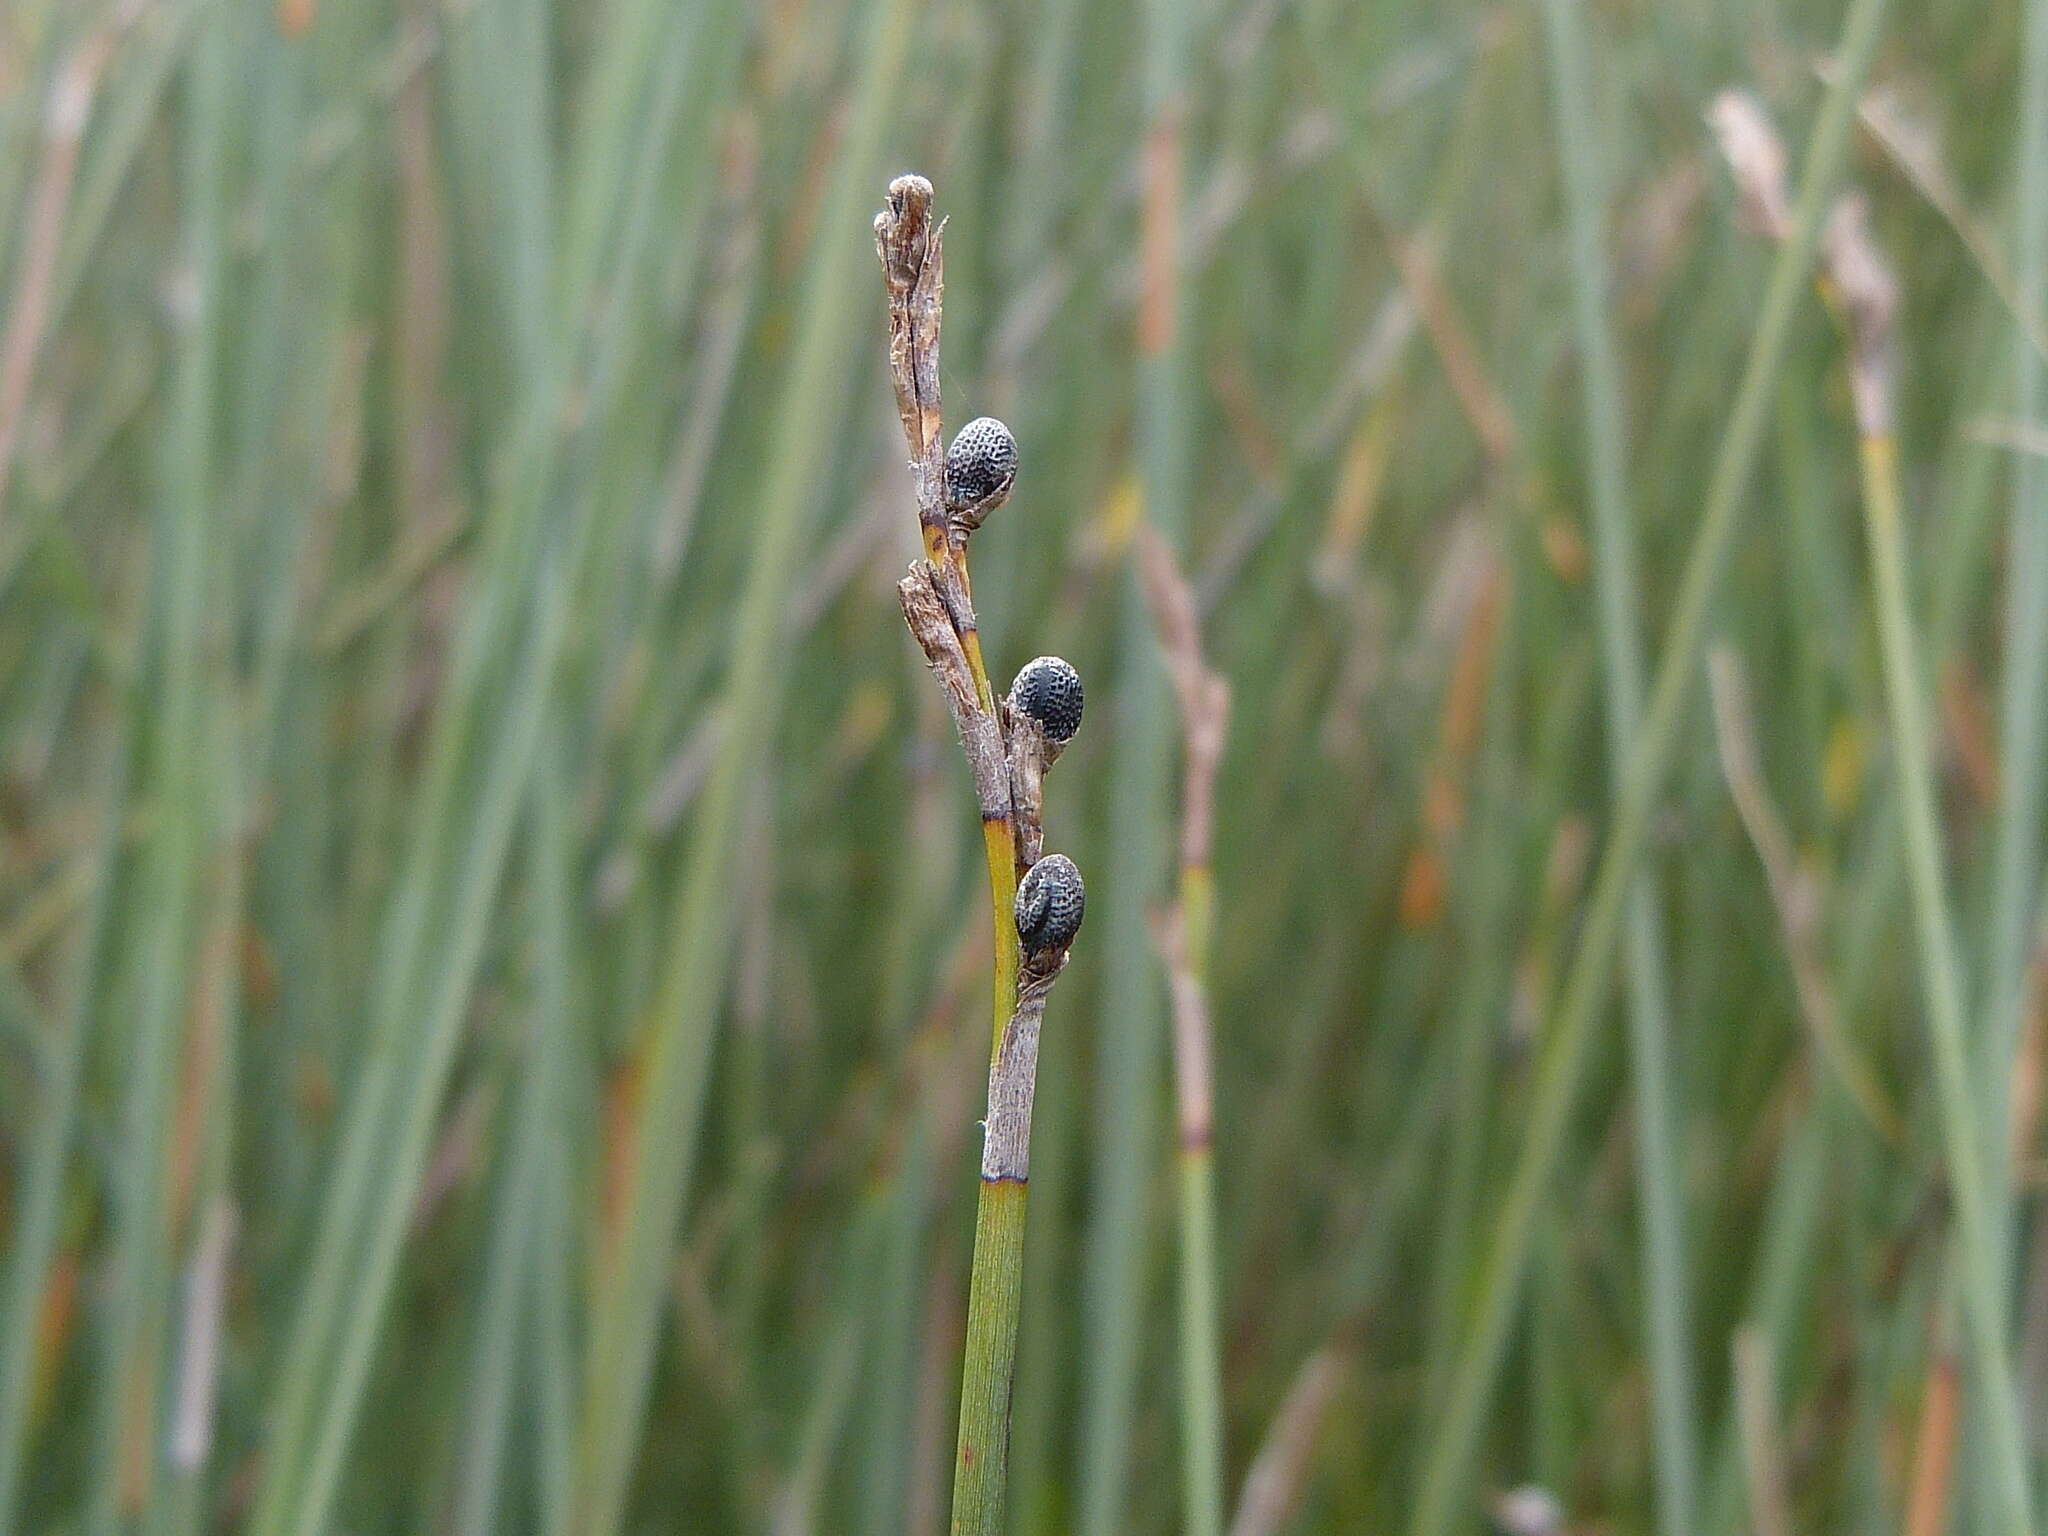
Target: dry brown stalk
1762,1453
1934,1448
1861,285
1203,694
1273,1487
65,115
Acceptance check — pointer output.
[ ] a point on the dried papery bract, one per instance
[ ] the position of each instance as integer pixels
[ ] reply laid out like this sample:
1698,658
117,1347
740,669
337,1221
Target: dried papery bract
912,252
926,611
1756,161
1863,288
1009,746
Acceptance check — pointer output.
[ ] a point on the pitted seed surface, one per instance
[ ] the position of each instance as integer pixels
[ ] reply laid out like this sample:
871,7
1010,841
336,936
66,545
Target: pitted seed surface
981,462
1049,691
1050,901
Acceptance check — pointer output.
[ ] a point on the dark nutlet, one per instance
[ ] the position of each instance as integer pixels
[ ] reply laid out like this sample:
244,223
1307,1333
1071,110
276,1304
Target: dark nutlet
1049,691
1049,904
980,465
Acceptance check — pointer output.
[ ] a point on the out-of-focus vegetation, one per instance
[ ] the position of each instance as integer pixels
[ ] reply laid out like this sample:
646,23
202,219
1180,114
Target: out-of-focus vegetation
493,969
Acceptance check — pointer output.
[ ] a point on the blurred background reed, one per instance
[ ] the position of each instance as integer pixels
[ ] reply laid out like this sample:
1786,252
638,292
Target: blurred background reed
492,978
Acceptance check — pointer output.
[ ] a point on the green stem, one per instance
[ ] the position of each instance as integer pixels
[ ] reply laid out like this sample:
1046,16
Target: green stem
994,1299
153,1000
995,1296
1201,1369
1447,1483
1941,982
45,1150
996,1287
1674,1420
2016,850
1127,1089
1201,1363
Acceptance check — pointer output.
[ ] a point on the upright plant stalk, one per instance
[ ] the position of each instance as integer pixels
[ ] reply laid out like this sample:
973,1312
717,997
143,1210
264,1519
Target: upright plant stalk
1446,1482
154,983
2016,850
1783,1273
1010,744
912,251
1666,1287
1864,295
1860,290
507,1305
1941,983
1182,935
1119,1229
46,1148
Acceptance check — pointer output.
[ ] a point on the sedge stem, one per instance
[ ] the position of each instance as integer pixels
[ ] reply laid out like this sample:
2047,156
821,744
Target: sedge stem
1941,985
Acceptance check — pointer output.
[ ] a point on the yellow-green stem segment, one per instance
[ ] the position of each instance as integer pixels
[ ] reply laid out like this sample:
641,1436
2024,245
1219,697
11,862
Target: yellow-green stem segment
995,1290
999,838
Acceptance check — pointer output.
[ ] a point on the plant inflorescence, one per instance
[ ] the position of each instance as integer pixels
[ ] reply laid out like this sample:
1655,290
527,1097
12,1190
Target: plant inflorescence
1036,898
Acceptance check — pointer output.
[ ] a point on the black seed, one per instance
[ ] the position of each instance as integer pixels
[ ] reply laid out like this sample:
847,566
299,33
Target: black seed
1049,691
1049,904
981,463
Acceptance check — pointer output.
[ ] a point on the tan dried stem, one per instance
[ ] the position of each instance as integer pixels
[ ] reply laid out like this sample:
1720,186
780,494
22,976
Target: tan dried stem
926,611
1203,695
2026,1097
1756,160
1860,284
1793,894
1204,699
1192,1071
1932,1478
1855,279
1013,1074
1762,1438
1030,755
912,252
1273,1486
66,112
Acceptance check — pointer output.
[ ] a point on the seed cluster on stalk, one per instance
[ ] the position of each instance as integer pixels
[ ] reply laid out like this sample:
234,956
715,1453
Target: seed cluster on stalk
1010,741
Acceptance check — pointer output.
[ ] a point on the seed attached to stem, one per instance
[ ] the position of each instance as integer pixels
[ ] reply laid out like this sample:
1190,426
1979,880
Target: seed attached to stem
1049,691
1049,904
981,466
